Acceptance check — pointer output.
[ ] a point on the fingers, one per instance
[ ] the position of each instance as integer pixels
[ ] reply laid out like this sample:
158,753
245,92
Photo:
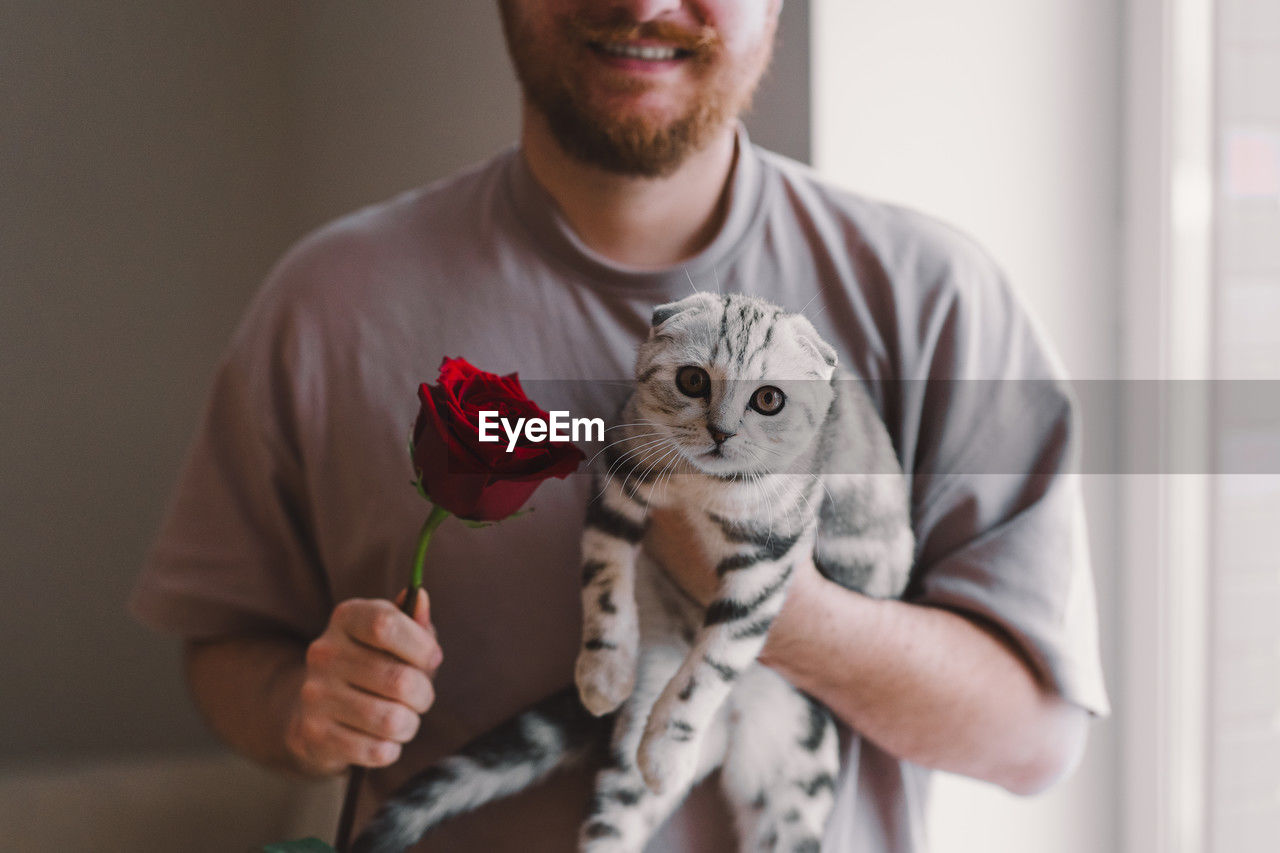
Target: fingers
337,723
327,746
422,608
372,715
380,625
385,677
366,683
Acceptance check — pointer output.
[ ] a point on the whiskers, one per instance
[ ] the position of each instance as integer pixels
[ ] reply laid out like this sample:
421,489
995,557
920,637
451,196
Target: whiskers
691,284
664,476
634,437
792,488
647,448
821,308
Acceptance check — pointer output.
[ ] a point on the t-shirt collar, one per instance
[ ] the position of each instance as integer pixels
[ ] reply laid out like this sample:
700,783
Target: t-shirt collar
537,213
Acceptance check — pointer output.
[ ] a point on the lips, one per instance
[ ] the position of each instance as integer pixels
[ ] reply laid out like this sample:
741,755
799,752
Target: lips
653,41
642,52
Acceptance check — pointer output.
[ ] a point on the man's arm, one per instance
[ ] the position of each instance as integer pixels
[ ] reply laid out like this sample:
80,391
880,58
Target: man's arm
353,696
925,684
246,688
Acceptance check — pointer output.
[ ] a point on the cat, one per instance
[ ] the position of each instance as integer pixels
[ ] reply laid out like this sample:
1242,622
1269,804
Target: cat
740,422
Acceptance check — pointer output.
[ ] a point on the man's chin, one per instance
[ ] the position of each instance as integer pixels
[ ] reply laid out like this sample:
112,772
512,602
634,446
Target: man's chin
636,146
629,154
649,132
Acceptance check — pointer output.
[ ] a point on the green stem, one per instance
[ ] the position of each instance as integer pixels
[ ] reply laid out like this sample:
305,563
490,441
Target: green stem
346,819
424,539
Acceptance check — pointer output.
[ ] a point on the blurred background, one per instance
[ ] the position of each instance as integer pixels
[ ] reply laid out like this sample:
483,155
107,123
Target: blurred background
1120,158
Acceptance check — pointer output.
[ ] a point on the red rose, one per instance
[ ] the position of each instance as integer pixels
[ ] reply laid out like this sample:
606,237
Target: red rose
474,480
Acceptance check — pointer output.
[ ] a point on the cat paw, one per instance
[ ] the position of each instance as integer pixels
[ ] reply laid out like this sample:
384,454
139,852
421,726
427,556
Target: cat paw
603,836
667,756
605,678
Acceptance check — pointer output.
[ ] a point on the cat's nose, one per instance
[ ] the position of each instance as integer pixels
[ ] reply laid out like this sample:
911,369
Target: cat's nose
719,435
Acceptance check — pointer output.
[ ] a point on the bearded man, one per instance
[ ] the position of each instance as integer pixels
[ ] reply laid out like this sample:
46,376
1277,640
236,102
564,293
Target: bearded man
632,178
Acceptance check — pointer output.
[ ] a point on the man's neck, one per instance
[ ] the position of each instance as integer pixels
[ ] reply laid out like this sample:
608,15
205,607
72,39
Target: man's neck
639,222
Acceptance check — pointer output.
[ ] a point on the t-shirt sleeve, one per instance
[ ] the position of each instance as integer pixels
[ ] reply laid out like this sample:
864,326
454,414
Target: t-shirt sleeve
996,498
235,552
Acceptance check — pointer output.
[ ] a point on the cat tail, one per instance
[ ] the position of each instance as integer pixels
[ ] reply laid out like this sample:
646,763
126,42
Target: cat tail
555,733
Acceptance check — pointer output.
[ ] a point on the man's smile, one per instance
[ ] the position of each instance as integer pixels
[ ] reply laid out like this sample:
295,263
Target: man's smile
645,52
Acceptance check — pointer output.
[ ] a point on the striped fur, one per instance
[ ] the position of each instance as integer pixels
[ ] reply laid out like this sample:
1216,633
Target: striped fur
676,683
555,733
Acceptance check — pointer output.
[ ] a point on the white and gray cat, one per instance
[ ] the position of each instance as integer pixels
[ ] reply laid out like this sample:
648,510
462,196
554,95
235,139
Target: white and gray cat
740,422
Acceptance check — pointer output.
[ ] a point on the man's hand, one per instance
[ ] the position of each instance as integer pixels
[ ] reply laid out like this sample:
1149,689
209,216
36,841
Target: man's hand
928,685
367,681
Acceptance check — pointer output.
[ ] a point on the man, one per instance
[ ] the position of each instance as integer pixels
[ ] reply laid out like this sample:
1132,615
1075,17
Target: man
632,179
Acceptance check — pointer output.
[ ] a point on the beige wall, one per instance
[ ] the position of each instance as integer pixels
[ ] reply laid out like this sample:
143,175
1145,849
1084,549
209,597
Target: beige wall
145,189
156,158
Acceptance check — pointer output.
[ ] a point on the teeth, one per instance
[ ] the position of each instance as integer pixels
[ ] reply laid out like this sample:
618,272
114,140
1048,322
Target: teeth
628,51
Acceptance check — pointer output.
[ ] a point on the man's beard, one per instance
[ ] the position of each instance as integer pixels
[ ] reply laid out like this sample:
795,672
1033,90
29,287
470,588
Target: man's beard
633,145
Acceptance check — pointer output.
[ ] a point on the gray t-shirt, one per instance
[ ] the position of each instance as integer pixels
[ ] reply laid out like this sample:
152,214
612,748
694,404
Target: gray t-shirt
296,494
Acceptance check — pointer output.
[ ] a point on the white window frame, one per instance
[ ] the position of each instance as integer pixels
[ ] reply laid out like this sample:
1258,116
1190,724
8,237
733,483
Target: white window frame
1167,328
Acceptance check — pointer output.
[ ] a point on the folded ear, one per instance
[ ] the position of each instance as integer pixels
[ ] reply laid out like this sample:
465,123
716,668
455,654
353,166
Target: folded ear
809,339
689,305
663,313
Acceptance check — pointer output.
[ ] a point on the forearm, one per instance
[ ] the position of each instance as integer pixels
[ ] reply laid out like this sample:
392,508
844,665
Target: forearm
247,689
925,684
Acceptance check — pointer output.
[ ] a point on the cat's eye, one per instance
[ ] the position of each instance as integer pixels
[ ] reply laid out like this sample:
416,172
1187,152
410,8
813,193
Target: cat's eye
693,381
768,400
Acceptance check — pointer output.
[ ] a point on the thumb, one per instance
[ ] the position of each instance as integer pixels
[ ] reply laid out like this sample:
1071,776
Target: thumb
422,609
419,610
